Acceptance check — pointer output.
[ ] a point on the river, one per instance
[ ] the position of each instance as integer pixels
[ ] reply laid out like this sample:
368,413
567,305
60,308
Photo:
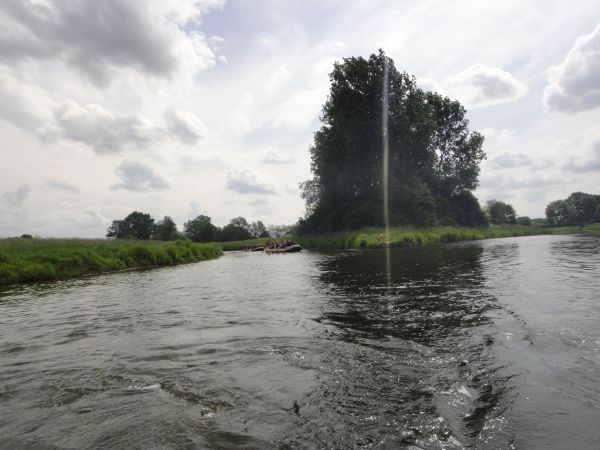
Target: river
491,344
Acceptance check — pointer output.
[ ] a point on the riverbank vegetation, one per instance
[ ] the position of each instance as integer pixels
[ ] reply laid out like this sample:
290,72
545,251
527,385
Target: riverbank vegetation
411,237
27,260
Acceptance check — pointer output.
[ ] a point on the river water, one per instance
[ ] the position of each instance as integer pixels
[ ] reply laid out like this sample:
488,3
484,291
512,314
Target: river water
492,344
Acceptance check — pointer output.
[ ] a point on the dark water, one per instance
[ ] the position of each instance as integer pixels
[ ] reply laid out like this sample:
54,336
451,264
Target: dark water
492,344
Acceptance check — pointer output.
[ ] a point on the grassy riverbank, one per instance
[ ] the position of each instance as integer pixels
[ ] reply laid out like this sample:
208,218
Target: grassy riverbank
26,260
592,229
408,237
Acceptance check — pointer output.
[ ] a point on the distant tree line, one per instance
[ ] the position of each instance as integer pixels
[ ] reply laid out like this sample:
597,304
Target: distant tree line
139,225
578,208
433,163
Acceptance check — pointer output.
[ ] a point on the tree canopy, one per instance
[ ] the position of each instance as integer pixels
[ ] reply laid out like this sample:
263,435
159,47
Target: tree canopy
578,208
433,156
165,230
139,225
136,225
200,229
500,212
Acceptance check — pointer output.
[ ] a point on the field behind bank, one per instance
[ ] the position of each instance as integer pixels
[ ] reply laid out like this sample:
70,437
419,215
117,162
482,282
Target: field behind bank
27,260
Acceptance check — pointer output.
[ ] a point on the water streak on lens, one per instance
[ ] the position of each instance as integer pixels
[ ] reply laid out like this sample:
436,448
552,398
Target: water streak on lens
386,157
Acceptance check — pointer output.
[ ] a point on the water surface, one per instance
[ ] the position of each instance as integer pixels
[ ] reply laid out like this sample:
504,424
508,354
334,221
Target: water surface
492,344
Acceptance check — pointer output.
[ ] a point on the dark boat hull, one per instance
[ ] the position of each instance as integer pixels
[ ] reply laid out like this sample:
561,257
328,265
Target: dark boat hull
290,249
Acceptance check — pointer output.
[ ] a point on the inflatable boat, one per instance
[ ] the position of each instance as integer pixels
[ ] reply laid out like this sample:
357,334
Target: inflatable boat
289,249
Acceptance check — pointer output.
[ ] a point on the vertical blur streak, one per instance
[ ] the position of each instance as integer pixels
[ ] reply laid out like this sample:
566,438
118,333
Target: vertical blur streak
386,157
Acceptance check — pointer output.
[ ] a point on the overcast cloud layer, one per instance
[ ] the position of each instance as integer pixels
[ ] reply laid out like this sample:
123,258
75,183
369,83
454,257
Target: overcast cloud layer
178,107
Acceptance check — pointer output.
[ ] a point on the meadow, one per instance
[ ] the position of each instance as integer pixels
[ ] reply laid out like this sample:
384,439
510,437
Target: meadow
28,260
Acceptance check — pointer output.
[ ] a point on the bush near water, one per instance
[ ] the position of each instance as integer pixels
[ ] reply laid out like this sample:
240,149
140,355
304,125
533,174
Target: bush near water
27,260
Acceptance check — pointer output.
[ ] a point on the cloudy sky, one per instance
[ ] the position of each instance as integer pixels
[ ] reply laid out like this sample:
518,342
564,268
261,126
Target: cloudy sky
181,108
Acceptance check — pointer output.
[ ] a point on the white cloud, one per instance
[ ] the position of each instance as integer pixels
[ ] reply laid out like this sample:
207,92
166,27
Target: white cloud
192,163
17,197
498,138
510,160
272,156
24,105
589,158
503,183
429,84
137,176
90,218
246,181
480,85
574,85
99,129
62,186
100,38
277,80
185,126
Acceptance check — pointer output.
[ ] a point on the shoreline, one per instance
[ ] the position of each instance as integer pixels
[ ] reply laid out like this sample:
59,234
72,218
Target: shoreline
35,260
24,261
371,238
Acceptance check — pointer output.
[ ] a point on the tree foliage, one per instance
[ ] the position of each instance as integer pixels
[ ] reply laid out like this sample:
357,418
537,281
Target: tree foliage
236,230
578,208
258,230
433,160
524,220
585,207
136,225
165,230
139,225
500,212
200,229
560,212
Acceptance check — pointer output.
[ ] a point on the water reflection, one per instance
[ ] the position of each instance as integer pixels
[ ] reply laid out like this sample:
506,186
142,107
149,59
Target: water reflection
409,362
434,293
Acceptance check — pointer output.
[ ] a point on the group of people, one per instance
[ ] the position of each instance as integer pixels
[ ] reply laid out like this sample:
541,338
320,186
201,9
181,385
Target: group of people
273,245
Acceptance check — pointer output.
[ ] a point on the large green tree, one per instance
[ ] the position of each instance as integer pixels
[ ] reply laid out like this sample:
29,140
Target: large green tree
501,212
165,230
585,207
236,230
433,157
258,230
560,212
136,225
200,229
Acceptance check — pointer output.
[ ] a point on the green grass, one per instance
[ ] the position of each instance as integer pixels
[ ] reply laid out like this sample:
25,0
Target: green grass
594,228
408,237
27,260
